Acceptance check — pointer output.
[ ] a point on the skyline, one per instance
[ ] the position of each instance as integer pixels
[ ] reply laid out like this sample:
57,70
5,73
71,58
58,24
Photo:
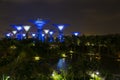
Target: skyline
84,16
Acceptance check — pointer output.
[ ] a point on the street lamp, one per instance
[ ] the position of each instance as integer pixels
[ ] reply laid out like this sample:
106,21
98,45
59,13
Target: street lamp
26,28
39,24
60,28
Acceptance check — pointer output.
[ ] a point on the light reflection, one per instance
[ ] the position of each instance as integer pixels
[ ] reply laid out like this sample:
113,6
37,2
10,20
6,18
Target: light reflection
61,64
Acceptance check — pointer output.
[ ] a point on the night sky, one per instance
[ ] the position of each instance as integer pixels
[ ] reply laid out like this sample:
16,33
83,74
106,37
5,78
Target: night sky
85,16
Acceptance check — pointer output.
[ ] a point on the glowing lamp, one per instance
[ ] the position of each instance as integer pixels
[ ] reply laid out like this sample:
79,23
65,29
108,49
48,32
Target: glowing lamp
26,28
37,58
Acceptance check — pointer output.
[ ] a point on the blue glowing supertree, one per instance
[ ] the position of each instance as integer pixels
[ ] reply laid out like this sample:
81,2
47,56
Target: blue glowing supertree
60,27
19,29
51,39
39,23
76,33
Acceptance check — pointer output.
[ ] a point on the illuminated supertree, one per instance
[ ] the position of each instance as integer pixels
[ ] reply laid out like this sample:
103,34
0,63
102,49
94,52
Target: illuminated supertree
60,28
26,28
33,35
19,29
51,39
46,31
39,23
8,35
76,33
14,33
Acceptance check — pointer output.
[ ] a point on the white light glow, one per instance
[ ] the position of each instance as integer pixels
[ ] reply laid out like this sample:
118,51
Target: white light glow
51,32
37,58
24,35
33,35
14,32
26,28
18,28
8,35
76,33
46,31
97,73
43,35
60,27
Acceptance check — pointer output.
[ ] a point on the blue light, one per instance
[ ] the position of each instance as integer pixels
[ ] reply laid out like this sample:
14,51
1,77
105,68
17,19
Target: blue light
76,33
39,23
43,35
19,28
51,32
8,35
33,35
23,35
61,27
61,64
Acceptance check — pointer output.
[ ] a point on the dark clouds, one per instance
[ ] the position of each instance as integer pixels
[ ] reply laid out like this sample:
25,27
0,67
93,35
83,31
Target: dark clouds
86,16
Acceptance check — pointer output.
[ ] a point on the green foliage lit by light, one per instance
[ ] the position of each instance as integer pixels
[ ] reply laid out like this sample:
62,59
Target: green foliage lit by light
95,77
56,76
